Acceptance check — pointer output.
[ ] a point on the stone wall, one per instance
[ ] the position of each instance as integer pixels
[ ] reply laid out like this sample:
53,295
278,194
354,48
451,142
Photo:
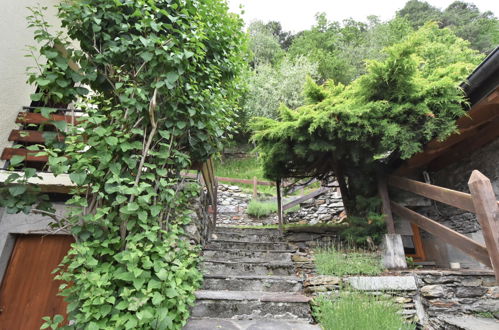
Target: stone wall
326,208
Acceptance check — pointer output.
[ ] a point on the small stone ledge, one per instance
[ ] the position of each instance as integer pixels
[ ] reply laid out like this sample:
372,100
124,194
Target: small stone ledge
383,283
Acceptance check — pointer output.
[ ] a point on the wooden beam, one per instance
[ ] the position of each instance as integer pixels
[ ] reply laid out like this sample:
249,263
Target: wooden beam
304,198
482,136
38,119
487,213
451,197
279,206
385,200
30,136
443,233
29,156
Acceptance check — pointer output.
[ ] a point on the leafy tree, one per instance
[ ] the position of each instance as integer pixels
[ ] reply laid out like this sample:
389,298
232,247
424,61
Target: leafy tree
164,80
465,19
263,44
284,37
419,12
269,86
402,102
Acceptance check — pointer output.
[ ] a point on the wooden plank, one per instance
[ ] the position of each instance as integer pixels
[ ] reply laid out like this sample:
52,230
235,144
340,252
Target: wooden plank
385,200
279,206
30,136
487,213
37,118
8,153
29,291
458,240
255,187
482,137
448,196
304,198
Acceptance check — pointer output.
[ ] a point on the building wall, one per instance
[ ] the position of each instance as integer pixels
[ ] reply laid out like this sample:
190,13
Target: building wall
456,177
15,37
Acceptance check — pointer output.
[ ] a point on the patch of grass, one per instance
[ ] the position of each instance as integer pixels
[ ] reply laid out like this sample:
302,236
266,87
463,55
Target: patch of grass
260,209
487,315
332,261
357,311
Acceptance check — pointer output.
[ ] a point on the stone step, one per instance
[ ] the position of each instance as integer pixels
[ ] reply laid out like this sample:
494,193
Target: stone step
468,322
265,236
248,231
213,267
253,283
251,305
245,255
245,245
228,324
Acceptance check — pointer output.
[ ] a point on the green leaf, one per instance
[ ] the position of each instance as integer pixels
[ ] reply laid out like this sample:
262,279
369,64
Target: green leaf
42,82
17,159
146,56
156,209
132,207
181,124
60,124
112,140
157,299
78,178
17,190
162,274
36,97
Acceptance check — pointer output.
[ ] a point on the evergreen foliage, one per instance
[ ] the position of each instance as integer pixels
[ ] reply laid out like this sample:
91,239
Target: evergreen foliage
164,77
402,102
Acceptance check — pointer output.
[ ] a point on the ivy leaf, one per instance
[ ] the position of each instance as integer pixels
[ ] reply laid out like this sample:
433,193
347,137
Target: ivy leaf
162,274
146,56
156,209
42,82
132,207
112,140
17,159
17,190
60,124
78,178
157,298
171,293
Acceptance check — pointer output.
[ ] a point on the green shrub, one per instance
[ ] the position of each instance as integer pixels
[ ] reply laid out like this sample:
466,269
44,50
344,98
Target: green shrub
260,209
357,311
331,261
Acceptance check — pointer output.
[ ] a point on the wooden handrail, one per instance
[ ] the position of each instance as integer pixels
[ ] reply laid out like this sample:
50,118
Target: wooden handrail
304,198
451,197
444,233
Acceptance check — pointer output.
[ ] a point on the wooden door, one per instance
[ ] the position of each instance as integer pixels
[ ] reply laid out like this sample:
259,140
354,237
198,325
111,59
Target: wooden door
28,291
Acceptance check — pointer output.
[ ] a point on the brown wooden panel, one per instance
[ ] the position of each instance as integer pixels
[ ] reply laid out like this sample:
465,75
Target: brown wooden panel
30,136
28,291
454,198
458,240
37,118
8,153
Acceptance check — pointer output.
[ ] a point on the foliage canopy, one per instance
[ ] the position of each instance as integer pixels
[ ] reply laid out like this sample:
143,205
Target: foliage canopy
401,103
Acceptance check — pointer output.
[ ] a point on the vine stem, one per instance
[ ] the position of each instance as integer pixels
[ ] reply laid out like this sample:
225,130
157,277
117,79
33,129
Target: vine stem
145,152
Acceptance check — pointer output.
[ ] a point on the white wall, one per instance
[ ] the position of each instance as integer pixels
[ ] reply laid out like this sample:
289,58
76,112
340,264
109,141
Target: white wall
15,36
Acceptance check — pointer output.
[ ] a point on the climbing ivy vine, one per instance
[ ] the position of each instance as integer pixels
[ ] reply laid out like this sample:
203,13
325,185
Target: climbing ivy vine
158,81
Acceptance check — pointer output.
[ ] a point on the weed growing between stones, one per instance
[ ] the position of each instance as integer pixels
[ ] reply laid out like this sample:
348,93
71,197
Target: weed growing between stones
333,261
358,311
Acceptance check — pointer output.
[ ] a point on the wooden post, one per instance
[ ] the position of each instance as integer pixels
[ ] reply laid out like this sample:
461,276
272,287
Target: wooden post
255,188
279,205
385,200
487,213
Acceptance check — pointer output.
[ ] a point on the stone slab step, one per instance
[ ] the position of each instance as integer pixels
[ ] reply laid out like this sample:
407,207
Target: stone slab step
247,236
470,323
253,283
227,324
245,255
213,267
245,245
251,305
248,231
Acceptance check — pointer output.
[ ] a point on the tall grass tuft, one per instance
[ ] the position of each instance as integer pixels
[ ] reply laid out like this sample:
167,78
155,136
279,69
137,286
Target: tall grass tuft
357,311
332,261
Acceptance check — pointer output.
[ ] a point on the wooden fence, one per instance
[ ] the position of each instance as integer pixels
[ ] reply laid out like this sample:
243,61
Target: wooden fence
481,201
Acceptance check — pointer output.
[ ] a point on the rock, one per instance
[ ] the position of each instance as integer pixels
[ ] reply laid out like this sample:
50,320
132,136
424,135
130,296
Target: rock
299,258
383,283
402,300
442,303
432,291
493,292
322,280
469,292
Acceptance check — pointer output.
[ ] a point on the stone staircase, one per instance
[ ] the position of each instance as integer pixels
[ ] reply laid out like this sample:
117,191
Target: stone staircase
249,283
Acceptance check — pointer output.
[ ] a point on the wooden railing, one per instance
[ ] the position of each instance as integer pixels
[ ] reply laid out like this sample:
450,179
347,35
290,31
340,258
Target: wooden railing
481,201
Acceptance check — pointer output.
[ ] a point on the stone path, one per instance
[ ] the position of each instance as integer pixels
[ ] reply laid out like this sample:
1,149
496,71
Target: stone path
250,283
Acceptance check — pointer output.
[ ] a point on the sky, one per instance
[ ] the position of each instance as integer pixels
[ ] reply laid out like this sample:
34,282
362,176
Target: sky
298,15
